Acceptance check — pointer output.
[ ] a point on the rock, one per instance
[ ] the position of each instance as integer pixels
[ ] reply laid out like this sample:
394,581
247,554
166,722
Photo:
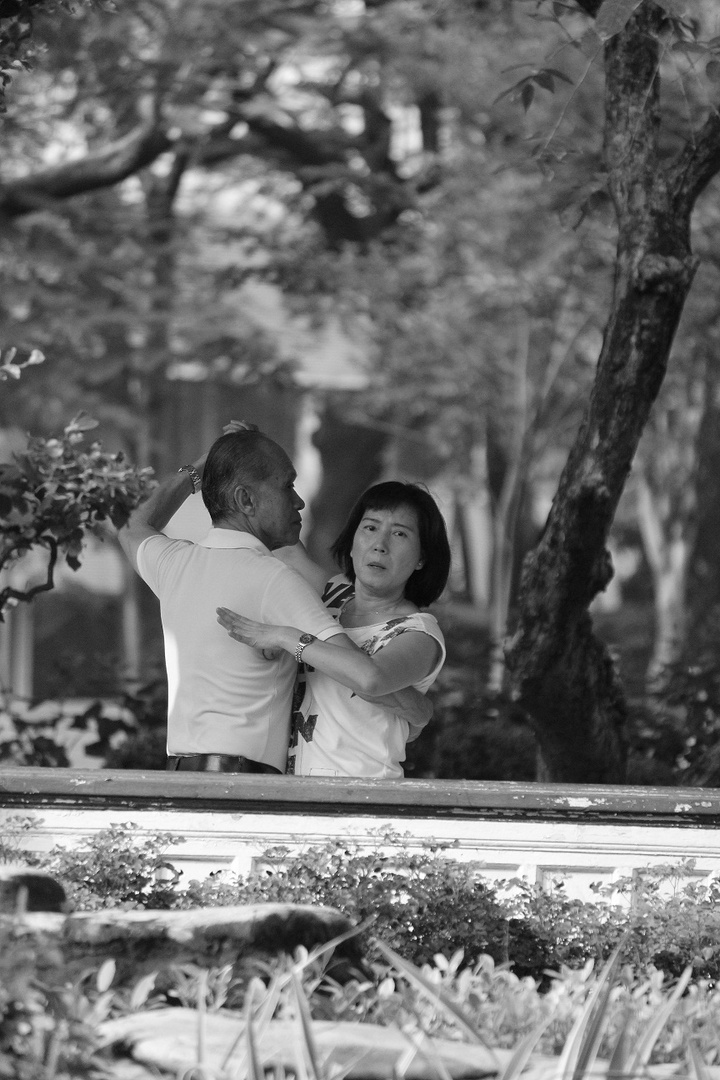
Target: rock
148,940
168,1039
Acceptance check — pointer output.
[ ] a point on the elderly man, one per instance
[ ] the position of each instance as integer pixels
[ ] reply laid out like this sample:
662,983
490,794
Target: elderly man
228,705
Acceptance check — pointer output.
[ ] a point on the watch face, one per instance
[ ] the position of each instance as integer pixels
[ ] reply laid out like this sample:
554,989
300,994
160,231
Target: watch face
305,639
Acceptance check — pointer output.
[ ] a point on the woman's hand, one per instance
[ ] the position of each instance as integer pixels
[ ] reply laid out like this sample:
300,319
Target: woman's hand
257,635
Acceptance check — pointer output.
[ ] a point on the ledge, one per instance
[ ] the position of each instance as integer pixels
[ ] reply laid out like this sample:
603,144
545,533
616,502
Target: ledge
34,788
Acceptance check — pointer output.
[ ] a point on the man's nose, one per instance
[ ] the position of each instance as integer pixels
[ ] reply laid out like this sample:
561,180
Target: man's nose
299,503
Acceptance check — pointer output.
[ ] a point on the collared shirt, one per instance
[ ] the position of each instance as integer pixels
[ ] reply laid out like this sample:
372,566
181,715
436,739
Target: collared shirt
225,697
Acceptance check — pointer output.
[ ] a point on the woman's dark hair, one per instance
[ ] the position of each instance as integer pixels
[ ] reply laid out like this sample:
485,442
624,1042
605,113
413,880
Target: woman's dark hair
239,457
426,584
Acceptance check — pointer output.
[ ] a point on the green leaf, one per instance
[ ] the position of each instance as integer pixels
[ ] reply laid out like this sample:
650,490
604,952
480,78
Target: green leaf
545,80
81,422
712,70
433,992
105,976
613,17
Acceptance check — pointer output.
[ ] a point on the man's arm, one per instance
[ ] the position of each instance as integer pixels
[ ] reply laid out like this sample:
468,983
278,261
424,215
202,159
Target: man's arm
151,517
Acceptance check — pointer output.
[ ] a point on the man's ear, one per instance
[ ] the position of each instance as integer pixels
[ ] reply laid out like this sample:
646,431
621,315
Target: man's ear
244,500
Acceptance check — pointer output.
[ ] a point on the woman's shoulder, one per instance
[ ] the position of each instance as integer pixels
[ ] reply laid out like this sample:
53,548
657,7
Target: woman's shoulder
338,590
418,620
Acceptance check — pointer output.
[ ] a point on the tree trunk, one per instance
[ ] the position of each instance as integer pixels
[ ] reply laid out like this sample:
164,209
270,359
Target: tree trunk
562,675
351,460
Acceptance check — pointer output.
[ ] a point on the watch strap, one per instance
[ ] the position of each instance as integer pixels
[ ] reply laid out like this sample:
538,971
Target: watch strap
305,640
195,478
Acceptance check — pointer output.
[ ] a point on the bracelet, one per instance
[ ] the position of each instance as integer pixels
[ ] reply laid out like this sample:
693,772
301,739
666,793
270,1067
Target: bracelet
195,478
305,639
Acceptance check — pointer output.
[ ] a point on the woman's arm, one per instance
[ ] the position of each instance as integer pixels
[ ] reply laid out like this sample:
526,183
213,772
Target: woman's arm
405,660
296,557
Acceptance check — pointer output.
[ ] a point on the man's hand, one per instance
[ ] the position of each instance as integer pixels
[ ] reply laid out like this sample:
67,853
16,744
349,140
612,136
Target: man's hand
239,425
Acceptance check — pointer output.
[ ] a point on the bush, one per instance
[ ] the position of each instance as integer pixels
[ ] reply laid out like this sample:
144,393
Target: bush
421,903
114,869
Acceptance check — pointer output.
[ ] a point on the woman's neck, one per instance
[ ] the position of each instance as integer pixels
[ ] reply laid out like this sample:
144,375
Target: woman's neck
365,607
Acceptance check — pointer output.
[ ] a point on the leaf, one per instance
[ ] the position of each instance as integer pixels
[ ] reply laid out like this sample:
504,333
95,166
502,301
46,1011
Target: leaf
526,96
105,976
612,17
648,1037
81,422
306,1028
432,991
698,1069
255,1070
545,80
559,75
676,9
712,70
141,990
523,1051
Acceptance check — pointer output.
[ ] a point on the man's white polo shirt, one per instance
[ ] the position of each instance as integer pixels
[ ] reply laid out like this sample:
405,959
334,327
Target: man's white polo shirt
224,697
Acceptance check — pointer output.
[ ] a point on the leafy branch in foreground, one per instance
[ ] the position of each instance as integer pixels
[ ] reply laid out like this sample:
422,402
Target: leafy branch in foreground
55,493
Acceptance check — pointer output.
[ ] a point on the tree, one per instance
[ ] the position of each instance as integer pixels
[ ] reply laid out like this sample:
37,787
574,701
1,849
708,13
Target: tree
561,673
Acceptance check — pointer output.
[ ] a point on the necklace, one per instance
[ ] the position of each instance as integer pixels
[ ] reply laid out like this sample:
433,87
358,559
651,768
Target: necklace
371,611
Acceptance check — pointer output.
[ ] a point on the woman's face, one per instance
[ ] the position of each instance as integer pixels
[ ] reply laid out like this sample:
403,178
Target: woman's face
386,549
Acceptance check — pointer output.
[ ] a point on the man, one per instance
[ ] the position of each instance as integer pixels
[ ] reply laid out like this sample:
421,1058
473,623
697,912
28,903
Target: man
228,705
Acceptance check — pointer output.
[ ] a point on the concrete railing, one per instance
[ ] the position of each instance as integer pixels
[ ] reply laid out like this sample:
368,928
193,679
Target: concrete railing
541,832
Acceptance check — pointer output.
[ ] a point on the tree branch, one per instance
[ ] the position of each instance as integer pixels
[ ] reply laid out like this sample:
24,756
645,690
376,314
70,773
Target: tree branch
10,593
96,170
698,164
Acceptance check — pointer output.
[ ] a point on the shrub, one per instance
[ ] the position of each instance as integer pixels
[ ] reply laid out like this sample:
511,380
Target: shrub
115,869
421,902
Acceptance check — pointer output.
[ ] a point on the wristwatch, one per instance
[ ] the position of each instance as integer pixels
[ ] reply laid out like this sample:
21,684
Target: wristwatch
195,478
305,640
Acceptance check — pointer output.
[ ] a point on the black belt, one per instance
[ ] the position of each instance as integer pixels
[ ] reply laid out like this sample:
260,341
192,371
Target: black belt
218,763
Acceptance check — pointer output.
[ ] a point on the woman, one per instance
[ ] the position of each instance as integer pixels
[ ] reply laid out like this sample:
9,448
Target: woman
395,555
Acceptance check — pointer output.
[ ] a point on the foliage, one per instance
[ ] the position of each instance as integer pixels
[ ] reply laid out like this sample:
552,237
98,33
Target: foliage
48,1026
55,492
18,50
420,902
475,734
52,1028
115,868
11,365
126,732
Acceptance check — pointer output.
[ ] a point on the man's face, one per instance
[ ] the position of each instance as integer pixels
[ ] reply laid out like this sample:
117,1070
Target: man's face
277,514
